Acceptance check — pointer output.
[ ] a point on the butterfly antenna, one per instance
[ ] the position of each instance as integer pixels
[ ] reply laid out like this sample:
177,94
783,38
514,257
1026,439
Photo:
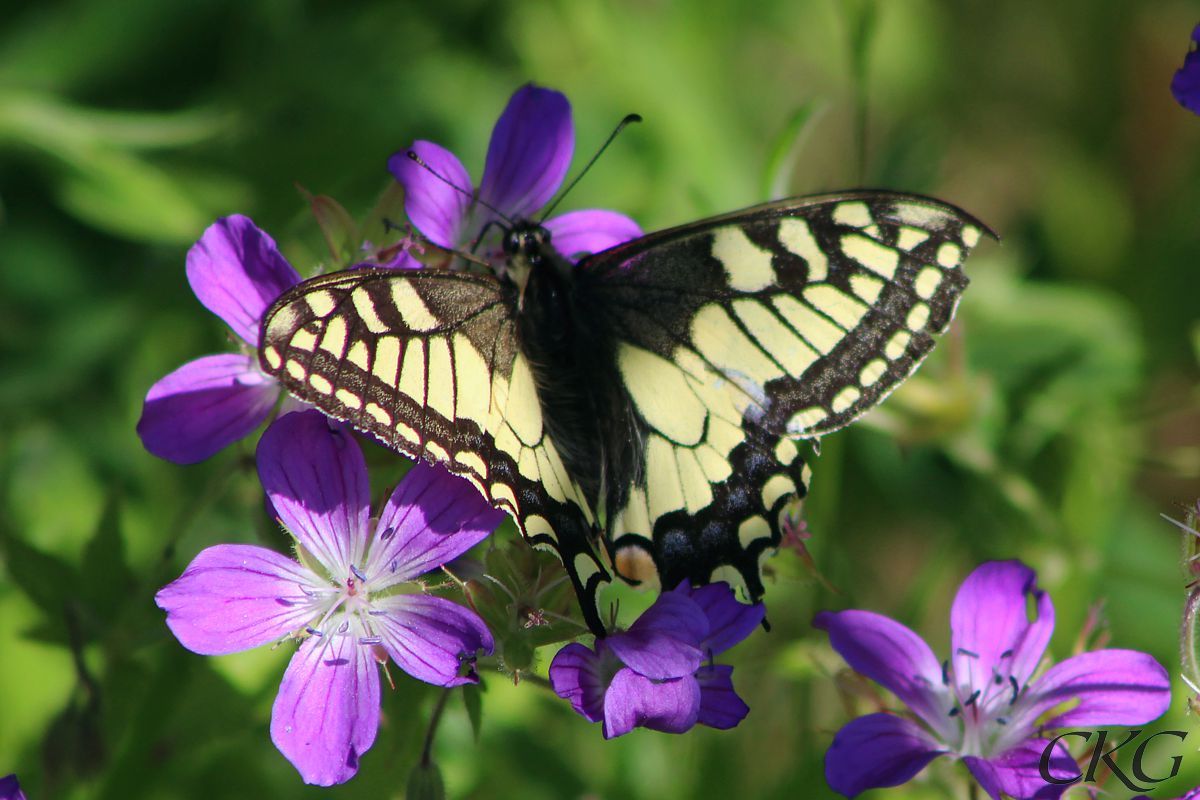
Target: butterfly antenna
421,163
620,127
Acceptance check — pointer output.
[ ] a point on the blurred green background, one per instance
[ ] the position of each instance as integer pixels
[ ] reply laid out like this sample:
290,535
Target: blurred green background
1055,423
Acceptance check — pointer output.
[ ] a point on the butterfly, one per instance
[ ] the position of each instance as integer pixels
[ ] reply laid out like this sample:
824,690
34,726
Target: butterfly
640,410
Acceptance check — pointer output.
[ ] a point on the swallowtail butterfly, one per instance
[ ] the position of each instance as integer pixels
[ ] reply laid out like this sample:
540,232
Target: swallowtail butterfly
639,410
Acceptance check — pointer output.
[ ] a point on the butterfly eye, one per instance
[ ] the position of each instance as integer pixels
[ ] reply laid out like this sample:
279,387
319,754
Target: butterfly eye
512,242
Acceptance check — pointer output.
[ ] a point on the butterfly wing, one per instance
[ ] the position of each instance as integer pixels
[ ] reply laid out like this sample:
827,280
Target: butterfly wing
740,333
428,362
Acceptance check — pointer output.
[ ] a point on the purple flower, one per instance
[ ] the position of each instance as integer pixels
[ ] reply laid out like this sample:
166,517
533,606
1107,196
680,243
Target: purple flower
655,674
1186,83
236,271
981,705
351,596
10,789
528,156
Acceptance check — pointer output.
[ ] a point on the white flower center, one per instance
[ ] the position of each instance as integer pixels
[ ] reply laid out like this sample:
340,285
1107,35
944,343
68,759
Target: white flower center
987,709
344,609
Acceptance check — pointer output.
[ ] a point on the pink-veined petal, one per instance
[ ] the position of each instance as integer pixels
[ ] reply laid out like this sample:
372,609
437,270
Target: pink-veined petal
1018,772
429,637
434,206
431,518
895,657
1113,687
316,478
991,632
327,711
580,233
529,153
236,271
877,751
634,701
204,406
236,596
577,674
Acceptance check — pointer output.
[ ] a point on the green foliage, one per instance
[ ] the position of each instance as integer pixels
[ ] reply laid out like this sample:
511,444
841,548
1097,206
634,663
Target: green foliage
1054,423
425,783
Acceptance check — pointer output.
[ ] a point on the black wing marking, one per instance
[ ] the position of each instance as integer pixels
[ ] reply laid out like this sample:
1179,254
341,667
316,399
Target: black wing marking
428,362
741,332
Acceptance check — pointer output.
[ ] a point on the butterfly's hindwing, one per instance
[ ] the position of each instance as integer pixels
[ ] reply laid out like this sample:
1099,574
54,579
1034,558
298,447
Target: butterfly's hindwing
428,362
729,538
786,320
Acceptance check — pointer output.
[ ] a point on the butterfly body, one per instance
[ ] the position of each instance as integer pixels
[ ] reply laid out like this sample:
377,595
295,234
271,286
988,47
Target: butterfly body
568,355
639,409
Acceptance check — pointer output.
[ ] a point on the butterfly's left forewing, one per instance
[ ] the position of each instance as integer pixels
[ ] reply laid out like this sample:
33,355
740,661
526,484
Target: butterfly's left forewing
738,334
428,362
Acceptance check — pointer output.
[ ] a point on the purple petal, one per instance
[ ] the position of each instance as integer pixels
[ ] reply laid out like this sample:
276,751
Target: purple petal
1114,687
236,271
428,637
876,751
665,641
204,406
991,633
720,706
729,621
894,657
327,711
436,208
316,479
402,259
10,789
235,596
1186,83
577,674
431,518
634,701
1017,772
529,153
580,233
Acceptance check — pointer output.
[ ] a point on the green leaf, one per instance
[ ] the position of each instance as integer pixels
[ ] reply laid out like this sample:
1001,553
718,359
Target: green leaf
380,223
132,198
786,148
341,233
425,783
40,575
473,699
107,582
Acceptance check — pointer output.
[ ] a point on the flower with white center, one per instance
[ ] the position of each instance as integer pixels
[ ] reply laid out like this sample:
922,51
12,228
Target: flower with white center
983,705
351,597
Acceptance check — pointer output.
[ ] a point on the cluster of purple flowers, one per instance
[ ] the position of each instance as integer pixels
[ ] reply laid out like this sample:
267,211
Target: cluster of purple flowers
352,596
659,674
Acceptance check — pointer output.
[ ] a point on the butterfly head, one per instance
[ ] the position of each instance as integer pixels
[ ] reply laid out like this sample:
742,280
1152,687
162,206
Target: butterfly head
527,249
525,241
